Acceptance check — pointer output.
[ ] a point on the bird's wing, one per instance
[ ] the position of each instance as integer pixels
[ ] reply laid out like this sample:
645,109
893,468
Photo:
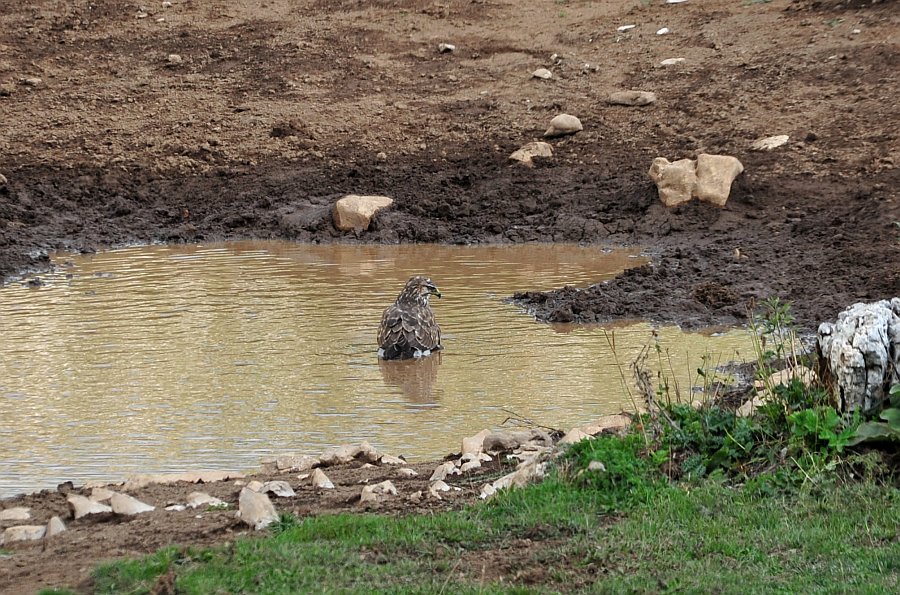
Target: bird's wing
404,331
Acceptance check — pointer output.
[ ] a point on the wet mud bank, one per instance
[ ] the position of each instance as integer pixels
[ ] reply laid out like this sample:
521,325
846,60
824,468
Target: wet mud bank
820,243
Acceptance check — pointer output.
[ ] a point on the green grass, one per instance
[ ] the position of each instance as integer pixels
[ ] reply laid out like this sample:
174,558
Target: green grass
622,530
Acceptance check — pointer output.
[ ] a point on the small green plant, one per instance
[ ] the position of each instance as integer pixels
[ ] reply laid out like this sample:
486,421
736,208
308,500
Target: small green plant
820,430
285,522
215,507
886,430
833,22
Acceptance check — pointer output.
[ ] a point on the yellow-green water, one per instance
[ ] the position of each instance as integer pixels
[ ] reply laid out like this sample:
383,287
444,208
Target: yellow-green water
168,358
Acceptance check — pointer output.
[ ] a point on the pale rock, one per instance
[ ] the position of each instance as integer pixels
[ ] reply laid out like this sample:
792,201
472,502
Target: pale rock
391,460
354,212
303,476
574,435
81,506
127,505
290,463
415,496
860,354
786,376
770,142
19,513
373,493
280,488
142,480
198,499
256,509
631,98
675,1
406,472
672,61
444,470
367,466
525,474
55,526
445,48
255,485
509,441
596,466
675,181
465,458
563,125
468,466
32,81
3,180
750,406
624,28
715,173
615,424
485,457
176,508
475,444
23,533
542,73
487,490
101,494
320,480
439,486
167,4
526,156
174,60
381,156
663,31
348,453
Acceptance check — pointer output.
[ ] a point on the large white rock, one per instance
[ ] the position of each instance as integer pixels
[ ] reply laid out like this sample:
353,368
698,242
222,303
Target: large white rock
354,212
22,533
81,506
128,505
715,173
861,353
528,152
562,125
675,181
256,509
19,513
55,526
475,444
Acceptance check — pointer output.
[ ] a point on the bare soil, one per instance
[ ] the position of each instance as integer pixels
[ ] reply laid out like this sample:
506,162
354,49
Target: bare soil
214,120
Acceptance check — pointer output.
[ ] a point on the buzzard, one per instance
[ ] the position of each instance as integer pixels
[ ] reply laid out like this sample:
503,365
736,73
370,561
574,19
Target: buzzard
408,328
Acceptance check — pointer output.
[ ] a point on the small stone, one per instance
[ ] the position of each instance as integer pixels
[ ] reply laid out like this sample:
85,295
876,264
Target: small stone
101,494
198,499
466,467
525,155
280,488
563,125
176,507
407,472
320,480
381,156
125,504
624,28
55,526
487,490
770,142
675,1
256,509
542,73
485,457
415,496
373,493
22,533
3,180
355,212
167,4
443,470
439,486
445,48
663,31
596,466
750,406
173,59
631,98
715,173
32,81
19,513
672,61
81,506
391,460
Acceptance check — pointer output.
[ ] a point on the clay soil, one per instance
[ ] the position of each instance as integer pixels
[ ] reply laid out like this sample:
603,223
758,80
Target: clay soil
211,120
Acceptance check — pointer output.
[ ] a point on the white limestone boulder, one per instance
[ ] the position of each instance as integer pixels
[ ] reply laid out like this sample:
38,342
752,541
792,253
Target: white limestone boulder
256,509
354,212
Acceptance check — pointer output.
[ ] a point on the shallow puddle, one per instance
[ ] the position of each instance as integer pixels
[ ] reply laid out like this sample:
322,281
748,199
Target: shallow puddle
168,358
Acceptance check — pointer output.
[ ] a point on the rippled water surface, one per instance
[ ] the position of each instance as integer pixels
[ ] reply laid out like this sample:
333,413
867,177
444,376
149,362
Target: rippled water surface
214,356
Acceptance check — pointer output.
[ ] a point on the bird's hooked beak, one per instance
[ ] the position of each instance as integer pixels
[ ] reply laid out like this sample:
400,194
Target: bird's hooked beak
433,290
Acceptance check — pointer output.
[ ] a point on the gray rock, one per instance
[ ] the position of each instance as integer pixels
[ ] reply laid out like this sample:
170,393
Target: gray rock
101,494
562,125
770,142
347,454
542,73
320,480
256,509
376,492
280,488
55,526
81,506
354,212
443,470
127,505
631,98
469,465
861,354
19,513
391,460
445,48
198,499
509,441
32,81
407,472
527,153
22,533
475,444
174,60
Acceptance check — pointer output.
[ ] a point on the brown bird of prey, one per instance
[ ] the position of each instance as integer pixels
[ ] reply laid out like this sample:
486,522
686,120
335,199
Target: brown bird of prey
407,327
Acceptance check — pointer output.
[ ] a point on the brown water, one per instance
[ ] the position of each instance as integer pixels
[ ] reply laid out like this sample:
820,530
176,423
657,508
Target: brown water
168,358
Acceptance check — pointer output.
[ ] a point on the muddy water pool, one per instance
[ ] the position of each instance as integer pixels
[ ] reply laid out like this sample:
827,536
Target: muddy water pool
168,358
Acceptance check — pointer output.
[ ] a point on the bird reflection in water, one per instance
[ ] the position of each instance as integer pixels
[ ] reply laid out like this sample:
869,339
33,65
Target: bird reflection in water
416,378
